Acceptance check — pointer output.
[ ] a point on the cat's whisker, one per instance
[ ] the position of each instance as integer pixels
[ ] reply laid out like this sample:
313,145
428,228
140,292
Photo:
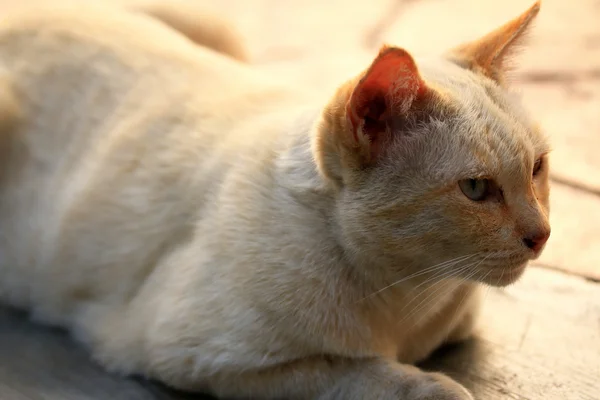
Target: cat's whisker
436,276
441,266
439,278
445,282
429,302
488,288
432,303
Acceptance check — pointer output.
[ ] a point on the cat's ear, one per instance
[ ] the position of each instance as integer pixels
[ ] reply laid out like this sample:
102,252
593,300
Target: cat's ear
385,94
368,113
491,55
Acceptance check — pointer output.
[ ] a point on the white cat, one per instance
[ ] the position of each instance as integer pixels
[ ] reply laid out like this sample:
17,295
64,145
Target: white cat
193,221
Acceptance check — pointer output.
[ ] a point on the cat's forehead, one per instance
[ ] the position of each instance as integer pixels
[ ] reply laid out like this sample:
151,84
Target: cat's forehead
488,125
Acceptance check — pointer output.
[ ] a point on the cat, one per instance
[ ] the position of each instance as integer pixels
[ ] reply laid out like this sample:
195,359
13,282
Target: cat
191,220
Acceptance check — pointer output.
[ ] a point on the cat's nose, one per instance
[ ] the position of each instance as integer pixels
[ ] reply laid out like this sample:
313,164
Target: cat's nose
537,241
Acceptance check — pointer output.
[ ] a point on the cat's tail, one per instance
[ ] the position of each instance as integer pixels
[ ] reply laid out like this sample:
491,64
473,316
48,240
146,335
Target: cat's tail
200,25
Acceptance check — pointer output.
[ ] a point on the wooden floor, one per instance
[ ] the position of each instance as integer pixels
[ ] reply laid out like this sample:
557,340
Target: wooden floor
539,339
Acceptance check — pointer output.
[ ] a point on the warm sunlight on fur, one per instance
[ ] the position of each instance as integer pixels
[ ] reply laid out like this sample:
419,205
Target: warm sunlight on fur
191,220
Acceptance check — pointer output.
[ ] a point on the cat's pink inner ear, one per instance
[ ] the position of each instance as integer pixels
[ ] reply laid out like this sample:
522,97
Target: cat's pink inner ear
388,89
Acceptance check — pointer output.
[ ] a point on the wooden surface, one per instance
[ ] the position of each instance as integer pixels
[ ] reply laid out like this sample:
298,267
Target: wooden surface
538,339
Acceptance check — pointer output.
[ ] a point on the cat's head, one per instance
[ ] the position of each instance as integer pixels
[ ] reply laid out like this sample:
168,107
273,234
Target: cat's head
437,161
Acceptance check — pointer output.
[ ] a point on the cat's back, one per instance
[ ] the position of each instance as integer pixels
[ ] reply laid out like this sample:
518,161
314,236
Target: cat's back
60,44
123,127
80,70
75,70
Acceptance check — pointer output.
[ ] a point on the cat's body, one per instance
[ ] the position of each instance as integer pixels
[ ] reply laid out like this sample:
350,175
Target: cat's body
182,216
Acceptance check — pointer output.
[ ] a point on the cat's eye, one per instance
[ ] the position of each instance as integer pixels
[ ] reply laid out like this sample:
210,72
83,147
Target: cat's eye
475,189
537,166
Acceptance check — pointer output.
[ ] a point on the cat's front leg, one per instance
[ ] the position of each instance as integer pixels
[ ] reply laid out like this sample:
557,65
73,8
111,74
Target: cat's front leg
393,381
326,379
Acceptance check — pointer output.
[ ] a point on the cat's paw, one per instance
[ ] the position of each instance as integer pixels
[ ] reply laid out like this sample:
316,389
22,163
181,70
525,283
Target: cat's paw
391,381
433,386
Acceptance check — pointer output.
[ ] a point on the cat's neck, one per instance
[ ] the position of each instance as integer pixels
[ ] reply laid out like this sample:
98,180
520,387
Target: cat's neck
307,193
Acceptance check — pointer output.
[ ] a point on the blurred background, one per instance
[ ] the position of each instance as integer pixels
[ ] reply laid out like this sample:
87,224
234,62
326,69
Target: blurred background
540,338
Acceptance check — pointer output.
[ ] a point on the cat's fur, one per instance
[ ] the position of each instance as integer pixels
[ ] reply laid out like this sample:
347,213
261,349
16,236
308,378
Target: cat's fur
195,222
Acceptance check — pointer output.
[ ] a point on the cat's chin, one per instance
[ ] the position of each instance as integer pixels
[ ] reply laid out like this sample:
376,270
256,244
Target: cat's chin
505,276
